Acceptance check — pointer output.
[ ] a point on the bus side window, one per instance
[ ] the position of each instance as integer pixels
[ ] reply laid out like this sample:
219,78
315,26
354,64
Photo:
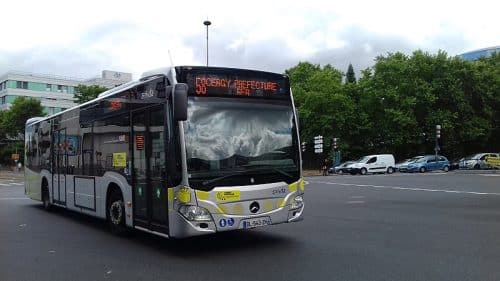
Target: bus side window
111,144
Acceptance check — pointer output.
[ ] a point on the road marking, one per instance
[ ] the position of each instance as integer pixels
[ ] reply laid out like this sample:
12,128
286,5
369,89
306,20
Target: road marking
489,175
355,202
409,188
14,198
17,183
4,184
357,197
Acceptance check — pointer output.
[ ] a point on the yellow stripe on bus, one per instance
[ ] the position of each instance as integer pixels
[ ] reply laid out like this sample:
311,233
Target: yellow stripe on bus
302,184
202,195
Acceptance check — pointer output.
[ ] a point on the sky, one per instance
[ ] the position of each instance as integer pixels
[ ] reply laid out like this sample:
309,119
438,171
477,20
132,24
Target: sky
81,38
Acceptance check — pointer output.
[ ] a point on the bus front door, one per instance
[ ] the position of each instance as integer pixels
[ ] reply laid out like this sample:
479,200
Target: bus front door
149,172
60,162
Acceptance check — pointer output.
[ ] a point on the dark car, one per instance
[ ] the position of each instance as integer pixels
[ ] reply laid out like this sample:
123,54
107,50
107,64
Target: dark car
455,164
339,169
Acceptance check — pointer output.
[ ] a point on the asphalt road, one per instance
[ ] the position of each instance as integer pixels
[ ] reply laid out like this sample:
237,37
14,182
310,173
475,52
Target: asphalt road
379,227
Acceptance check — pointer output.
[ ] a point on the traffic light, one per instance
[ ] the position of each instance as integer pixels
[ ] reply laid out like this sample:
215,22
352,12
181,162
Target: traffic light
318,144
335,143
304,146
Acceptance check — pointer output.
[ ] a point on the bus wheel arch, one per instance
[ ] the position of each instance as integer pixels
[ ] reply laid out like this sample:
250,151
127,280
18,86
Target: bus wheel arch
115,209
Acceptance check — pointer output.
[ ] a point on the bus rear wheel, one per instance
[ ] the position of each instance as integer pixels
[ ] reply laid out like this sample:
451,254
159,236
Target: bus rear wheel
115,213
45,197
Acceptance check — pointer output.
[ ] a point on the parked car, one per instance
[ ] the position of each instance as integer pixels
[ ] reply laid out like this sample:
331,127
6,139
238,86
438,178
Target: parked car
403,165
455,164
477,161
339,169
429,163
379,163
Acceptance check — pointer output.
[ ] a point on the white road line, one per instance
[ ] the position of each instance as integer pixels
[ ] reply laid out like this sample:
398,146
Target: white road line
489,175
355,202
409,188
17,183
14,198
4,184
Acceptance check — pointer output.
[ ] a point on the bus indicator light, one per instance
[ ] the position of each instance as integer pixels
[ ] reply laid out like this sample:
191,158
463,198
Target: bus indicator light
139,142
116,105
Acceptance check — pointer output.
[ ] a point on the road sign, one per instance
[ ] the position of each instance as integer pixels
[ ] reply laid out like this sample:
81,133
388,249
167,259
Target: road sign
318,144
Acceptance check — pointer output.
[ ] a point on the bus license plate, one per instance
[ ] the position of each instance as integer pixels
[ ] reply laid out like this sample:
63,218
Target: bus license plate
255,222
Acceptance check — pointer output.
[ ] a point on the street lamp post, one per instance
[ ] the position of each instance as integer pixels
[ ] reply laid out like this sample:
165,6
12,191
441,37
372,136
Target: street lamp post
207,23
438,135
335,153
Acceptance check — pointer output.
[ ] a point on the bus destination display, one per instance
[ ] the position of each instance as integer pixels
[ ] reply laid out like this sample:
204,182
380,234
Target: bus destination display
223,85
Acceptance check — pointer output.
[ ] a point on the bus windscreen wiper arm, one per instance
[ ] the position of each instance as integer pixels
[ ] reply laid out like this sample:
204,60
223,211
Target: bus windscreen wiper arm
222,177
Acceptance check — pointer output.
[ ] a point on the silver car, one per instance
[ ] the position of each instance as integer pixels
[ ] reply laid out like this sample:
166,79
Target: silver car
403,166
477,161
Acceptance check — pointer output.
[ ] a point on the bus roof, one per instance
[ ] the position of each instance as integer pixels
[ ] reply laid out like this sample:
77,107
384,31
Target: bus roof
146,77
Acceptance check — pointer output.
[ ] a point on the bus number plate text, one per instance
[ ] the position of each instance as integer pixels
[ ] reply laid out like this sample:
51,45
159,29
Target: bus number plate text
255,222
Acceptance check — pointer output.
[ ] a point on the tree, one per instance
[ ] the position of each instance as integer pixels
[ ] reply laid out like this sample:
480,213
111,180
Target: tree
2,129
85,93
396,104
350,77
12,123
13,120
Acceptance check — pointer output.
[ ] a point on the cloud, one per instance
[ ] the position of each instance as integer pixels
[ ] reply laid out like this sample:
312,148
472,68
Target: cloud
83,38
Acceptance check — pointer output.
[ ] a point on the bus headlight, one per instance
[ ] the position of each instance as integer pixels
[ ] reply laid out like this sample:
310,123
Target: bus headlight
297,202
195,213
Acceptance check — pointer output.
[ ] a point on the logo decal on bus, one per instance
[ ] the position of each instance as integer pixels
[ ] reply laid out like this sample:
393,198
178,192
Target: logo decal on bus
228,196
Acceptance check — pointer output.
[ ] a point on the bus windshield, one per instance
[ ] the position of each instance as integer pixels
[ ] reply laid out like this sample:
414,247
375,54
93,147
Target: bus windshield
240,142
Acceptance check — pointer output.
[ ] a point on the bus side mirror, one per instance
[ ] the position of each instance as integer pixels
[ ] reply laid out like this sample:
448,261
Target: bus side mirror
180,102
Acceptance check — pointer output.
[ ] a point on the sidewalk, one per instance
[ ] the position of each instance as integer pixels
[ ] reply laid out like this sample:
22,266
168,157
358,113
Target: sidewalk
5,174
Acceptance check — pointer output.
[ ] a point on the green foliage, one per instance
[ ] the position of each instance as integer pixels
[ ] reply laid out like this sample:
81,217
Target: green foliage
350,77
397,103
13,120
12,123
9,148
85,93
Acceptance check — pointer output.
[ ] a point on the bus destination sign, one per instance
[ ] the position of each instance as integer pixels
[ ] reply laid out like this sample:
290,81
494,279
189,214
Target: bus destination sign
241,87
222,84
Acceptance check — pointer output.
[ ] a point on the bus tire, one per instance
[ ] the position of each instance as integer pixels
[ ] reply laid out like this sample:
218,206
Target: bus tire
115,212
45,195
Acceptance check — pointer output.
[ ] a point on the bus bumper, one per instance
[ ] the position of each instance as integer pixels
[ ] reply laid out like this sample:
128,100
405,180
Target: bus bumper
181,227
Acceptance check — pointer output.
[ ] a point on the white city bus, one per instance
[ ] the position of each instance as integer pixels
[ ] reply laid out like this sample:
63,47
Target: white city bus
183,151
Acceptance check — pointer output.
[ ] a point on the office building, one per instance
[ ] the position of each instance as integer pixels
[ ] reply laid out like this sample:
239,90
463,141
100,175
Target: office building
56,93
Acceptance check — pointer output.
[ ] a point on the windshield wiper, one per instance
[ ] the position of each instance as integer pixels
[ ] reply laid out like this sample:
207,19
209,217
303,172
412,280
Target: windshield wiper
207,182
272,167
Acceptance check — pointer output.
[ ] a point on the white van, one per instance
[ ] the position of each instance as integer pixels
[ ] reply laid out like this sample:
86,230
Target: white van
379,163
